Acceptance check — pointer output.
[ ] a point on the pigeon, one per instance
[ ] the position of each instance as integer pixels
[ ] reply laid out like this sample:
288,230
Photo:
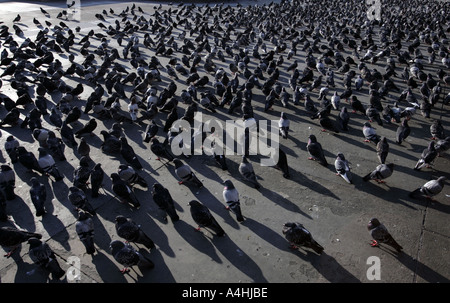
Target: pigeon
231,198
283,125
88,128
162,198
81,174
7,181
48,164
403,131
42,255
380,235
370,134
130,231
442,145
374,115
38,196
160,150
185,173
357,106
79,199
73,115
381,172
111,144
382,149
83,148
96,179
67,134
437,130
128,174
123,192
28,160
56,146
429,189
84,227
343,119
297,234
12,238
203,218
315,151
127,256
342,167
282,163
127,152
11,145
41,136
151,131
248,173
12,117
427,157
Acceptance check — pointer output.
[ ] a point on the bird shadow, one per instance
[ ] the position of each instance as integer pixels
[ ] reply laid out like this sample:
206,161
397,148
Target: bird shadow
310,184
197,240
20,212
107,269
421,270
239,259
161,273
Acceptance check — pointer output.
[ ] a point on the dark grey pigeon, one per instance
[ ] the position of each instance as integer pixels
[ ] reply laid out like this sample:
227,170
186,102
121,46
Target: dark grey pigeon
8,181
79,199
315,150
297,234
96,177
130,231
161,196
203,218
84,228
127,256
38,195
427,157
12,238
381,235
42,255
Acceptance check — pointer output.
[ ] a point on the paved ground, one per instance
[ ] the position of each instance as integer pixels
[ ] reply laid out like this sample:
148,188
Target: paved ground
253,251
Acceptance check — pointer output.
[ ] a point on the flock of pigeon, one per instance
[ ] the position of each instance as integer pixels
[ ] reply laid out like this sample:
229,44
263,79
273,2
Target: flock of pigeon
193,40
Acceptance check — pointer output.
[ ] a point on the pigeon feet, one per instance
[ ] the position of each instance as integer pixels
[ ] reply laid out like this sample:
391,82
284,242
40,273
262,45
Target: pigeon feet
374,243
124,270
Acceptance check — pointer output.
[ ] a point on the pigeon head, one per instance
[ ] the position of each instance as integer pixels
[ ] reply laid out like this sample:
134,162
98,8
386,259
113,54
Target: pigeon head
194,203
116,245
373,223
10,138
228,184
312,138
5,167
177,163
42,152
157,187
115,176
82,215
84,161
120,219
341,156
34,242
